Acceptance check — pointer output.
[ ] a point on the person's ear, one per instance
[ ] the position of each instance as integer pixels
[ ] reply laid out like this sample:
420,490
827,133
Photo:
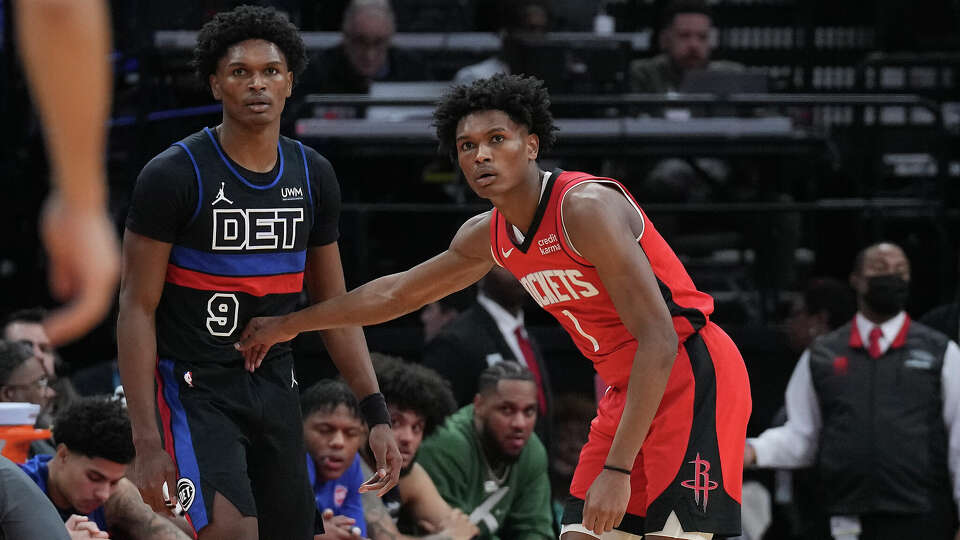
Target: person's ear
215,88
533,146
62,452
478,402
289,84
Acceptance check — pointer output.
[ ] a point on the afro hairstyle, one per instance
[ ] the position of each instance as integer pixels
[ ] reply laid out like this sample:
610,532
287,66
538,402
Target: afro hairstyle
523,99
326,395
247,22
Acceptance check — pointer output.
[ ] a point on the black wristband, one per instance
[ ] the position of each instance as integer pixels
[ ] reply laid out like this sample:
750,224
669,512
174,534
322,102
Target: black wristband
373,409
617,469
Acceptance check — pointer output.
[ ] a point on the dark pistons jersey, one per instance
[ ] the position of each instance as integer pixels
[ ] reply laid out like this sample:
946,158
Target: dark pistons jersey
569,287
241,254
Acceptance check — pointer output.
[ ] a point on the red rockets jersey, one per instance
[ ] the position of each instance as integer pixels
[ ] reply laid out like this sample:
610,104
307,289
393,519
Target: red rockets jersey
568,286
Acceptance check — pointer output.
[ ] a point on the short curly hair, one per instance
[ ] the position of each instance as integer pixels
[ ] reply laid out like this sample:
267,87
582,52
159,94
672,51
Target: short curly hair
96,427
412,387
326,395
247,22
523,99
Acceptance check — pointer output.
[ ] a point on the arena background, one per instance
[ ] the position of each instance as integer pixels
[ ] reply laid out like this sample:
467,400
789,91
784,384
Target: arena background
863,113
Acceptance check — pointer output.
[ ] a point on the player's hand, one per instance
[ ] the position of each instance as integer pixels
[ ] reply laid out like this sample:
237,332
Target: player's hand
81,528
84,258
455,526
260,334
338,527
149,470
389,461
606,501
750,457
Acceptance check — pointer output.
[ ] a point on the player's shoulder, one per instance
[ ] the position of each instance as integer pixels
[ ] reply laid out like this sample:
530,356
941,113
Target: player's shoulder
473,237
313,156
479,220
589,200
319,166
173,162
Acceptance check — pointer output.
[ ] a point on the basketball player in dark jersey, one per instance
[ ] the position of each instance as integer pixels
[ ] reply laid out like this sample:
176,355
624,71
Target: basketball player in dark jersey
664,457
224,226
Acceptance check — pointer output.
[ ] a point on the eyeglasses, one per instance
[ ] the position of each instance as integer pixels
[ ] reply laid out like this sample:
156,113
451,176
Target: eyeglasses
39,384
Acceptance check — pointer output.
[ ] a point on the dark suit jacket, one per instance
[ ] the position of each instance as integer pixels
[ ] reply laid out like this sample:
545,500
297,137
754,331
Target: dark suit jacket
467,346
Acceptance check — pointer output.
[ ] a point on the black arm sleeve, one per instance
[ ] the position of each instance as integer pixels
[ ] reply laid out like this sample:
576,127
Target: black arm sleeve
165,197
326,199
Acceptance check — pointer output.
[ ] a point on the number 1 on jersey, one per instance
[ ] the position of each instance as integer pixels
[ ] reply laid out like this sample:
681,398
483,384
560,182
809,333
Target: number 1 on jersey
576,323
223,309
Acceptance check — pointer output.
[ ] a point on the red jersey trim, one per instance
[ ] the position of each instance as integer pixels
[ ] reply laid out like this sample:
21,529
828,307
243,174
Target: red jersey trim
252,285
565,243
495,237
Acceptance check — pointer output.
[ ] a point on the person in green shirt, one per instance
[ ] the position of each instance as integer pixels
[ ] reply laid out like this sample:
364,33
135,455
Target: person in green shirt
486,460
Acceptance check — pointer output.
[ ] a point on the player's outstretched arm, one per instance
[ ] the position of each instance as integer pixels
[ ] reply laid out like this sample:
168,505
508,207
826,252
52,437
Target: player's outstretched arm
128,515
64,44
466,260
603,226
348,349
144,270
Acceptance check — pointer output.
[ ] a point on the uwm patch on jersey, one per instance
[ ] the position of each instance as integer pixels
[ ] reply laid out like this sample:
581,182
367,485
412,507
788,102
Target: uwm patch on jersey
564,283
241,255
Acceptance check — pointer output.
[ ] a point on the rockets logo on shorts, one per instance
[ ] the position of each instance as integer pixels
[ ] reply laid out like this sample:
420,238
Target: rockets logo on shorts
186,492
701,483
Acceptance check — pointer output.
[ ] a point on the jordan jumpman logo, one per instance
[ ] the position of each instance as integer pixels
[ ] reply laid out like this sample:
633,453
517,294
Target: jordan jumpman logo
221,196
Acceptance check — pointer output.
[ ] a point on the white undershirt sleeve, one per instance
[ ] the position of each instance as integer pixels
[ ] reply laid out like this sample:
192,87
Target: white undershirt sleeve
794,444
950,380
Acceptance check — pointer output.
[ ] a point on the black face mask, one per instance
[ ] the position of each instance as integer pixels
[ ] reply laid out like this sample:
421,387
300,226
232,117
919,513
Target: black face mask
886,294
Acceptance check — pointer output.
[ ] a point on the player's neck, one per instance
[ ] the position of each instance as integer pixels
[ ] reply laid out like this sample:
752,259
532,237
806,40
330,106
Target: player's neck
53,488
519,205
252,147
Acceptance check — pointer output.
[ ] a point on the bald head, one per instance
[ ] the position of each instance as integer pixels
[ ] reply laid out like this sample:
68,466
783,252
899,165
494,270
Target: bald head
881,258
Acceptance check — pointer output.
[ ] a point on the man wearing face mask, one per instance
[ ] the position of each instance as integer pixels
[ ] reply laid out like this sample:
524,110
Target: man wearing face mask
875,406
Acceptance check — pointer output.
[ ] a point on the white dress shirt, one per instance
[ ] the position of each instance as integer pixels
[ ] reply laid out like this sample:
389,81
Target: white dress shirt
507,323
794,444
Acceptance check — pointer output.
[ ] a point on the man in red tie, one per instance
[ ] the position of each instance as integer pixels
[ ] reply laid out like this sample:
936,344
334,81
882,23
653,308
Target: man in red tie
875,406
490,331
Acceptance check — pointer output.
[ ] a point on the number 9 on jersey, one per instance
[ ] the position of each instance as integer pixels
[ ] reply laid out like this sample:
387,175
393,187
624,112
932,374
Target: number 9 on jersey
223,310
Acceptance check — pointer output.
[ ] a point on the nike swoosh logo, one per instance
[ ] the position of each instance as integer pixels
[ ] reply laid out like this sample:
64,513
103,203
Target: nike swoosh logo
506,253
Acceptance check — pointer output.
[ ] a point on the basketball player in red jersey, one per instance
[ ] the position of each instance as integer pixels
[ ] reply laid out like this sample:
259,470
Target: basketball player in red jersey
664,457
